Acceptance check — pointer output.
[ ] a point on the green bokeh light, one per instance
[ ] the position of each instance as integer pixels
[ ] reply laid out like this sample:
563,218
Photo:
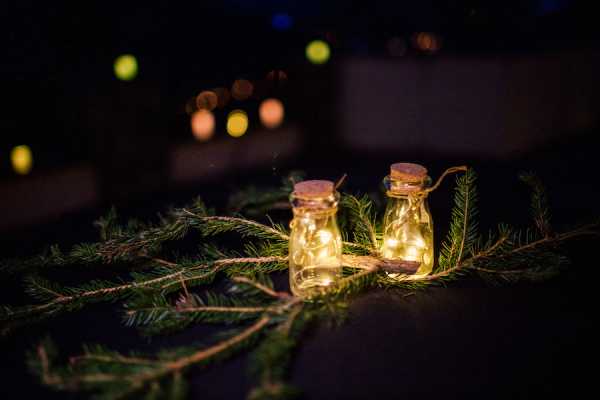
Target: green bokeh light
318,52
126,67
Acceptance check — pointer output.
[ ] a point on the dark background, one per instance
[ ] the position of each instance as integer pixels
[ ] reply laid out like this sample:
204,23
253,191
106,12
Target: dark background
512,87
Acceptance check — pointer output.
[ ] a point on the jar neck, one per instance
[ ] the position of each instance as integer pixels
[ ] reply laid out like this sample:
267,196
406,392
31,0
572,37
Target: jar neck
315,205
400,188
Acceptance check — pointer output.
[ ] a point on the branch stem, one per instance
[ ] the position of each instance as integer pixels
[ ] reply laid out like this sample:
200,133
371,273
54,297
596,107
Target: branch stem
261,287
221,309
177,276
110,359
238,220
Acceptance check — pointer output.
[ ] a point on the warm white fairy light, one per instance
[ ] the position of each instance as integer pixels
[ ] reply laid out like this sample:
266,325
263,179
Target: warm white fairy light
315,244
408,231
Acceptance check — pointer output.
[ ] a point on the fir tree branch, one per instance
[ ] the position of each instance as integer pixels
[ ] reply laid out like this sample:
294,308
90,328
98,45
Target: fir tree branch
363,218
216,224
270,361
125,245
219,264
251,310
498,271
539,203
463,227
47,378
286,326
111,291
152,372
205,354
276,308
546,241
116,358
591,230
143,373
261,287
164,262
359,246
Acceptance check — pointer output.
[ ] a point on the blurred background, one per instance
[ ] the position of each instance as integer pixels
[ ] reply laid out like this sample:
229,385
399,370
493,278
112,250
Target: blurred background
143,106
139,105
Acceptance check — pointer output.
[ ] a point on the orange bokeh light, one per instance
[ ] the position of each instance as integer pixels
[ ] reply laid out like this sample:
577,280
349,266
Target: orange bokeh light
427,42
207,100
203,125
271,113
241,89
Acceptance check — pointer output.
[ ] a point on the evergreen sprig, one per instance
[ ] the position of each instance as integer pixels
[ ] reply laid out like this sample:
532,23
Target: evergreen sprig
161,295
463,233
111,375
540,209
363,223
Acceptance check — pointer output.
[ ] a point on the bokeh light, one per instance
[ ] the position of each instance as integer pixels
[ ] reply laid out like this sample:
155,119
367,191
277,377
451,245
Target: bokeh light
241,89
271,113
207,100
427,42
282,21
550,6
21,159
318,52
126,67
223,96
237,123
203,125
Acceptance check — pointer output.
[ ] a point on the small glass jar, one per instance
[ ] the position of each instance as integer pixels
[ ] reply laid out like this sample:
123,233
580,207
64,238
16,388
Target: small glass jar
408,226
315,246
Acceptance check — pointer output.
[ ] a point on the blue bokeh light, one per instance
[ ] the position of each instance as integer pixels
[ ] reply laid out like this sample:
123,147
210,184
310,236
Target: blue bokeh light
551,6
282,21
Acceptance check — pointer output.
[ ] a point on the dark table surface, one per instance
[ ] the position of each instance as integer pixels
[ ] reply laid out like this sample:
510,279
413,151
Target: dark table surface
465,340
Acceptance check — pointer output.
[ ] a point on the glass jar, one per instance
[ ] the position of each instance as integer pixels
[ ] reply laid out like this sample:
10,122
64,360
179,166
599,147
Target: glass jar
408,226
315,246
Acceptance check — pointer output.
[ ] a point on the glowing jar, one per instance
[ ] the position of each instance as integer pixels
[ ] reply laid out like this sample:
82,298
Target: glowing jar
315,247
408,226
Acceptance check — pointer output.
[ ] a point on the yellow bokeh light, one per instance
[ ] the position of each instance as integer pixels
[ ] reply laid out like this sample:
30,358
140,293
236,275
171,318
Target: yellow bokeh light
203,125
237,123
271,113
21,159
126,67
318,52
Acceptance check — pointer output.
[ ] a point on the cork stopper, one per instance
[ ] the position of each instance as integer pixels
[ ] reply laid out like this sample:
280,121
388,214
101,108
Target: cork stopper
408,172
313,189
